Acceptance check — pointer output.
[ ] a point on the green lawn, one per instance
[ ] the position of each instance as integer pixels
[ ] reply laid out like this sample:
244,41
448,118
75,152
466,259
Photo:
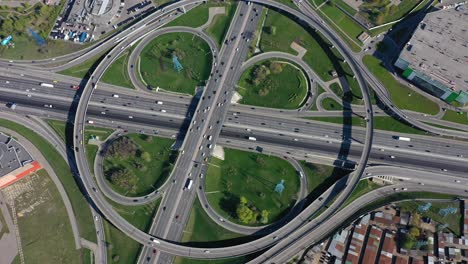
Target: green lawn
380,122
117,73
392,13
289,3
331,105
83,70
288,31
127,249
91,150
398,92
198,16
61,168
158,168
453,220
88,256
253,176
200,229
43,221
347,24
364,186
336,89
157,68
285,90
321,177
220,24
453,116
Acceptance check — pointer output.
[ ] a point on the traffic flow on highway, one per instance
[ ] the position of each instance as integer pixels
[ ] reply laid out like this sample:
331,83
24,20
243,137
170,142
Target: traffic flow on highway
212,119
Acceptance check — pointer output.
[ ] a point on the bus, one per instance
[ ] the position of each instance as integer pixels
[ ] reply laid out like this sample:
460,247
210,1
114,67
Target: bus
47,85
188,184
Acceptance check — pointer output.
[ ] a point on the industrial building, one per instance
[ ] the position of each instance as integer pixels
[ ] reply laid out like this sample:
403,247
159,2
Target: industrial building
436,57
15,161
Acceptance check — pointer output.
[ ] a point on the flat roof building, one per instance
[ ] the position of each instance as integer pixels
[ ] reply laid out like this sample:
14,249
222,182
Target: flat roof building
436,57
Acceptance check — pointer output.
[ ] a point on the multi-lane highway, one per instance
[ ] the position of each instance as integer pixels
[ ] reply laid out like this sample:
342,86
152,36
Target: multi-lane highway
209,118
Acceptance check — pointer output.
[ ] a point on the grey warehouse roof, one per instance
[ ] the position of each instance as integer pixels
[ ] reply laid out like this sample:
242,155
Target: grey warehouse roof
439,47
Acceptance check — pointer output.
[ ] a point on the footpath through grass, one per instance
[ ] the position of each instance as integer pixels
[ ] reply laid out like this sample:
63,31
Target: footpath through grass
43,221
380,122
201,230
261,85
154,169
220,23
398,92
253,176
456,117
61,168
193,53
454,221
280,31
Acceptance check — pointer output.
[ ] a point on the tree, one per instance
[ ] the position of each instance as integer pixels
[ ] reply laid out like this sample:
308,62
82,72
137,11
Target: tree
124,179
146,156
244,213
7,25
414,232
271,30
276,67
259,74
243,200
115,258
264,216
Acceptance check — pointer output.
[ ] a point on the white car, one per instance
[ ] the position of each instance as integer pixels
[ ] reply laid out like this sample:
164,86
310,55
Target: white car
131,117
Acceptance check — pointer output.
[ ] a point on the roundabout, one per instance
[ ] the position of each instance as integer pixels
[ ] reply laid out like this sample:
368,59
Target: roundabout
177,249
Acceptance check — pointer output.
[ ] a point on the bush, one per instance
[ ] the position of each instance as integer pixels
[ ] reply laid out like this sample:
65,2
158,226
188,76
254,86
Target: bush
122,147
146,156
123,178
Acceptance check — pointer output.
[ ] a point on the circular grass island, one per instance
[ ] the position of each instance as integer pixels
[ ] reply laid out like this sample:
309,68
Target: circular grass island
158,69
136,164
251,176
274,84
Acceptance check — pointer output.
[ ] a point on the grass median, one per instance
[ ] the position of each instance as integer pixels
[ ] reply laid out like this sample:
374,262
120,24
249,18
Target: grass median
402,96
61,168
380,122
274,84
253,176
200,230
220,24
120,247
456,117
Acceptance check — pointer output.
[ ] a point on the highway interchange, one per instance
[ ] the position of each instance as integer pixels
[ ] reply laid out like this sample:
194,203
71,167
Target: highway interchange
279,134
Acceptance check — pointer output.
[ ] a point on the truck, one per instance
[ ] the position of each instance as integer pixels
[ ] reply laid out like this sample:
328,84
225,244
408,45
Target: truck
402,138
12,106
188,184
252,138
47,85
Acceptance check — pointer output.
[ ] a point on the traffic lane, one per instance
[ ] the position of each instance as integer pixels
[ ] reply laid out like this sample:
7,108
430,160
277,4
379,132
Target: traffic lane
445,146
176,125
353,152
421,142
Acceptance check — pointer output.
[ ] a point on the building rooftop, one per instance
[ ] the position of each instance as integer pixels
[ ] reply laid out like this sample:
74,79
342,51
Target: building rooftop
439,47
12,155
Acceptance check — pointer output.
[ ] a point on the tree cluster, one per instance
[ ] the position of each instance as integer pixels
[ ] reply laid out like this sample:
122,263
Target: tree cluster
249,214
123,178
122,147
